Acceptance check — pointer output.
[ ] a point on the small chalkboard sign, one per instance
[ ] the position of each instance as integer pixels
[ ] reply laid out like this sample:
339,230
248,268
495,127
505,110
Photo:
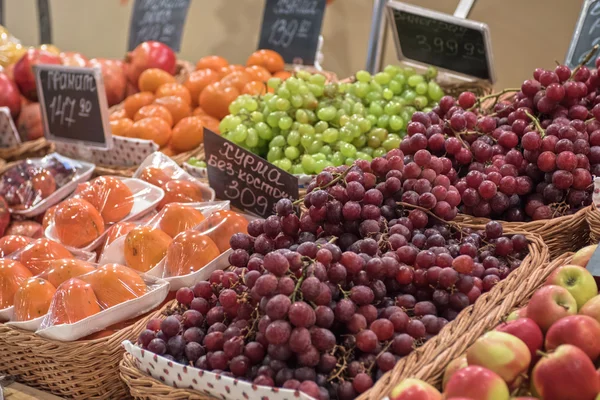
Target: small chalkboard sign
74,107
586,35
250,182
292,28
433,38
160,20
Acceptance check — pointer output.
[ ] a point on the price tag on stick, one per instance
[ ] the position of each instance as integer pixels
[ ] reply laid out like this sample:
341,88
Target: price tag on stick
247,180
292,28
450,43
586,35
158,20
74,107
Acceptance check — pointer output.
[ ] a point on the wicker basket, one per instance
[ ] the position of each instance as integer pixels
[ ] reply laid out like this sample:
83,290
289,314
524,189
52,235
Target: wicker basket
433,371
34,148
593,220
85,369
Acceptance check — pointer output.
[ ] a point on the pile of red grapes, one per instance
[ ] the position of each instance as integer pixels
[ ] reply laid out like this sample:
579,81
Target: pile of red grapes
528,158
327,302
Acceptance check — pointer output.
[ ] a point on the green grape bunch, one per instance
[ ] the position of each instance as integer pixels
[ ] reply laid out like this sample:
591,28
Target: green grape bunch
305,124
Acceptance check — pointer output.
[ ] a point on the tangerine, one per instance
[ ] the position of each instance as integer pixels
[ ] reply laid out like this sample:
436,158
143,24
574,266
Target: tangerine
179,191
268,59
237,79
154,110
77,222
152,78
118,114
73,301
224,71
211,62
37,254
221,225
190,251
255,88
133,103
11,243
174,89
33,298
121,127
59,271
187,134
216,98
198,111
198,80
210,123
283,75
114,284
177,107
145,247
175,218
155,176
110,196
12,275
152,128
258,73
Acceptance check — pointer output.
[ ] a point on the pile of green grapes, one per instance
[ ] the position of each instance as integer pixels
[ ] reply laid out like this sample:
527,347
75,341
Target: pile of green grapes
306,124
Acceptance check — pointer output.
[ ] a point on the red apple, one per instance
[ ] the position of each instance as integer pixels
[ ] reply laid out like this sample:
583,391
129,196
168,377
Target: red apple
583,255
9,95
579,330
23,71
527,330
476,382
577,280
592,308
502,353
414,389
549,304
452,367
566,373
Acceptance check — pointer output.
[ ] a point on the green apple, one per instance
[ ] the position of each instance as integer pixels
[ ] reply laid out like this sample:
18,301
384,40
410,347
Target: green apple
577,280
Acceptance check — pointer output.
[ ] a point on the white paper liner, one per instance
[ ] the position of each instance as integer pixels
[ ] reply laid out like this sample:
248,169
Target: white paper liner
145,198
32,325
6,314
217,385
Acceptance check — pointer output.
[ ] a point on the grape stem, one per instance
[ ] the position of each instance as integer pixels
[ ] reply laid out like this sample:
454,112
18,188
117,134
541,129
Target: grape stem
495,96
333,182
587,59
536,122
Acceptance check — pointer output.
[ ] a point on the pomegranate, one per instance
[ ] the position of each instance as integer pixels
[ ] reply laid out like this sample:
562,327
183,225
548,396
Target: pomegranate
73,59
149,54
9,95
114,79
4,216
23,72
27,228
29,124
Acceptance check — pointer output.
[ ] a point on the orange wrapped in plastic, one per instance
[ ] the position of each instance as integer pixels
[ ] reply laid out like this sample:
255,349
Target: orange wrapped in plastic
38,253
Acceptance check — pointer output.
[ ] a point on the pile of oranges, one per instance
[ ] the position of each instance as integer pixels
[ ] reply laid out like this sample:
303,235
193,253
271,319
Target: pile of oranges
174,115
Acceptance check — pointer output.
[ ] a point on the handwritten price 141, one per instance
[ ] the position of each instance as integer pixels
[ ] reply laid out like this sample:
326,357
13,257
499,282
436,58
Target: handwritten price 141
64,108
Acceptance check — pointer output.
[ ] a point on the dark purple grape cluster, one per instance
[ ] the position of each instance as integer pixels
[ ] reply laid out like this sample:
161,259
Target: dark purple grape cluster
528,158
327,302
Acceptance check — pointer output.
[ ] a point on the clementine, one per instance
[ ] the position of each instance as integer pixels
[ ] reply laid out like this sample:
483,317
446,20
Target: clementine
121,127
258,73
152,78
211,62
133,103
117,114
154,110
174,89
152,128
255,88
187,134
237,79
177,107
268,59
216,98
198,80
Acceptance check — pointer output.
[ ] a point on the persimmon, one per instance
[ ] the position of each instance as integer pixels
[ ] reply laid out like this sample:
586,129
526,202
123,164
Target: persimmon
152,78
153,128
155,176
216,98
110,196
154,110
118,114
33,298
177,107
258,73
43,183
114,284
211,62
198,80
255,88
268,59
11,243
73,301
62,270
175,218
133,103
174,89
37,254
221,225
237,79
187,134
145,247
283,75
77,222
178,191
121,127
190,251
117,230
12,275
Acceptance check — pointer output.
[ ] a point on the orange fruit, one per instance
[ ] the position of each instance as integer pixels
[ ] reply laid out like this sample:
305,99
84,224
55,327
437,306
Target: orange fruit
268,59
117,230
152,128
155,176
121,127
152,78
255,88
174,89
64,269
258,73
177,107
283,75
77,222
237,79
145,247
33,298
198,111
12,275
211,62
73,301
178,191
198,80
118,114
190,251
11,243
216,98
133,103
114,284
231,68
168,151
176,218
210,123
221,225
187,134
154,110
110,196
49,214
36,255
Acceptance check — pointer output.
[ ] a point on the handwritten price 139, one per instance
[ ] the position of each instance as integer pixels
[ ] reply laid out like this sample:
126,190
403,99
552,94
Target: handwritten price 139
64,108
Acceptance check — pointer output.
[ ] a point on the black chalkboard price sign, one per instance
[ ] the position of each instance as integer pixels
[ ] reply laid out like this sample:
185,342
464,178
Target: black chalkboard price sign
74,107
433,38
247,180
160,20
586,35
292,28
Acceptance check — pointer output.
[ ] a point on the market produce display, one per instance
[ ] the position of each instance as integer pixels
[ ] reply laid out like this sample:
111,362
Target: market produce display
307,124
545,350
